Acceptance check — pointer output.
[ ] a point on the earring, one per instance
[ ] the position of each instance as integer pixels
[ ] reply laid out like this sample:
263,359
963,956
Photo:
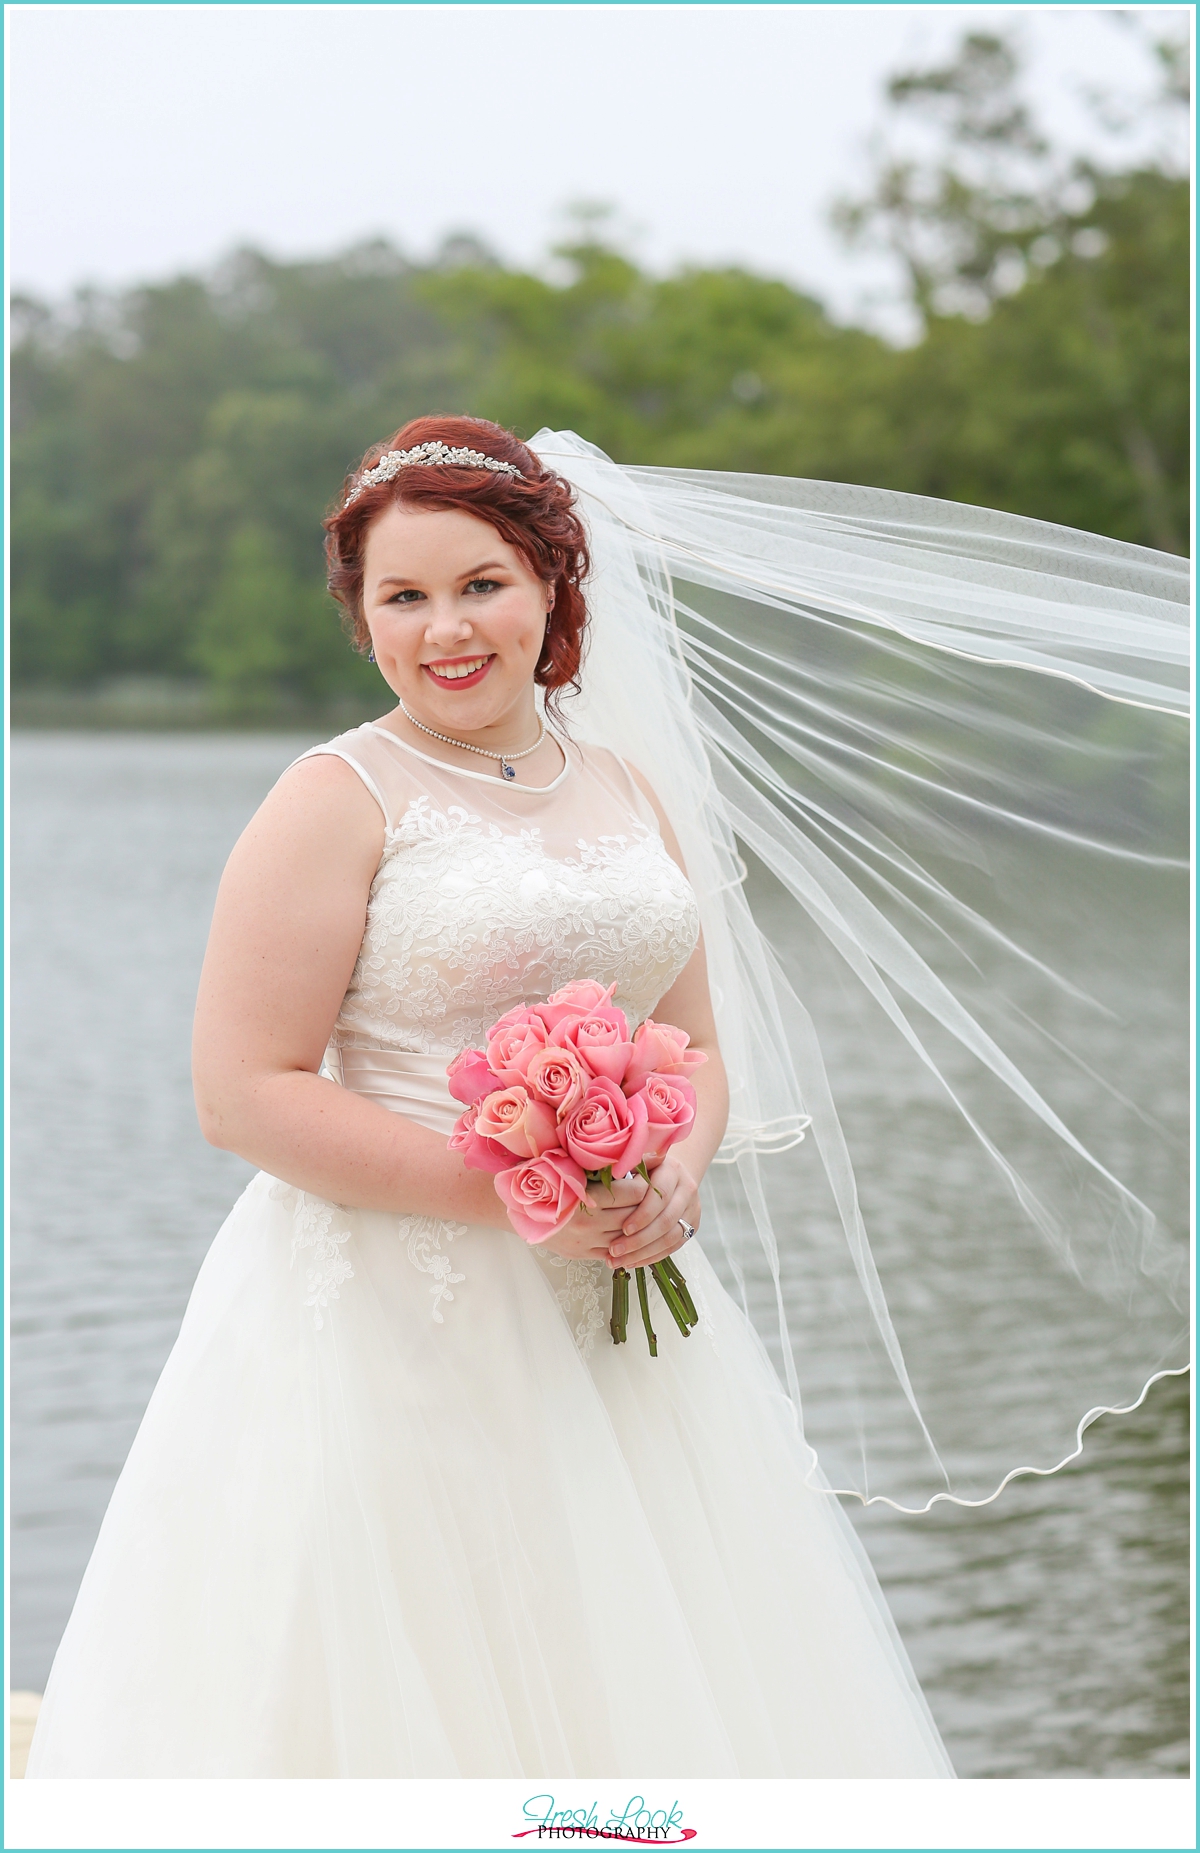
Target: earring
371,658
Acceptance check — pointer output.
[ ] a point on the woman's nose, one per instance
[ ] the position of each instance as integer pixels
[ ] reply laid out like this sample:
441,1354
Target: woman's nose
447,622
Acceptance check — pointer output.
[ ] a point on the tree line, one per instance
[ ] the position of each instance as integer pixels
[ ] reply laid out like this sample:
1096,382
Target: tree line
175,445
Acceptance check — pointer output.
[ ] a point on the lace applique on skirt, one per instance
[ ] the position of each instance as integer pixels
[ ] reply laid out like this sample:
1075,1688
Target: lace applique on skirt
424,1251
329,1268
580,1297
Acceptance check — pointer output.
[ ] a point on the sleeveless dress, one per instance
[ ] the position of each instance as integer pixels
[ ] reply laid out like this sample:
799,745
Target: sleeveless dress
398,1506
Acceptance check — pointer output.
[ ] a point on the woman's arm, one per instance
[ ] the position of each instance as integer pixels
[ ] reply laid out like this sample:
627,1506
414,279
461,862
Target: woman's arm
286,932
653,1230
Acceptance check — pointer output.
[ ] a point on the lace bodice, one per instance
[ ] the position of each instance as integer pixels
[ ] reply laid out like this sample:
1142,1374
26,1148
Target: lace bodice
491,894
488,894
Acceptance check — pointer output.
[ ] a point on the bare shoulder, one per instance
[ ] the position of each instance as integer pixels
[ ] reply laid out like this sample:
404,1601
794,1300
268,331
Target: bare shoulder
319,815
646,788
611,765
325,778
634,774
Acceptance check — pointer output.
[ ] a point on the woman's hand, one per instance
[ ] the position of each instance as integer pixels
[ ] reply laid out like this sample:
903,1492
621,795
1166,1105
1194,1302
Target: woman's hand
653,1230
598,1220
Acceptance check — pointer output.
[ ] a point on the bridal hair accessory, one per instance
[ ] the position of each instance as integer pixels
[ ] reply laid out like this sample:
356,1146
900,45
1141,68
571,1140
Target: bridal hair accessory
507,760
567,1092
927,765
393,461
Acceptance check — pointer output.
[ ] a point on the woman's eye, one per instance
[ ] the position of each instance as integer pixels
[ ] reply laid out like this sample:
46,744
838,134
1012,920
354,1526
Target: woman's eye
482,585
408,596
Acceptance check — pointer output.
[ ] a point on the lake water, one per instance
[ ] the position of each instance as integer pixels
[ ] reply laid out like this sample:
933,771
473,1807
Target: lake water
1049,1630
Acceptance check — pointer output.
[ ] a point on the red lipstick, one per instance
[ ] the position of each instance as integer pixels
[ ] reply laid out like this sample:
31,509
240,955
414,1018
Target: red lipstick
452,662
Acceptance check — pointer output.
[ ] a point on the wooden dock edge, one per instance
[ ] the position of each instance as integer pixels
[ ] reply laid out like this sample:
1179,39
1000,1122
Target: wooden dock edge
22,1716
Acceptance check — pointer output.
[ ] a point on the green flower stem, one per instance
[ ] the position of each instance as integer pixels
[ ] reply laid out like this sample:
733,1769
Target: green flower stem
667,1288
689,1304
619,1321
644,1303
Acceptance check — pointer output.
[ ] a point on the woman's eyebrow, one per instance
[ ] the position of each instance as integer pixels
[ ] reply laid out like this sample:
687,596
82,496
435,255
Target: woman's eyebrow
489,566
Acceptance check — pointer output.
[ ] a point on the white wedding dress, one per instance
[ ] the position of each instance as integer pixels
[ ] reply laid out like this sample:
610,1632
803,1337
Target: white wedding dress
398,1506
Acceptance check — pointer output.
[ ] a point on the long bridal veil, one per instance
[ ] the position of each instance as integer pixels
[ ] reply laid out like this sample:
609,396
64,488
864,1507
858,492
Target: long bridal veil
928,767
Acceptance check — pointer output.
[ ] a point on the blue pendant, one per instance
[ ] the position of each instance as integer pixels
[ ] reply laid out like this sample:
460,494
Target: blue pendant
510,772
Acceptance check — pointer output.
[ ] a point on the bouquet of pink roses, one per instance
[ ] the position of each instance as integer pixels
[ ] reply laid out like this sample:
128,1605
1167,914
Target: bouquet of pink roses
563,1097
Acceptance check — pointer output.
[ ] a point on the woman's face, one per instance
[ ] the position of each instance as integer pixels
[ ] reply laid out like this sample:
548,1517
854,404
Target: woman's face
456,617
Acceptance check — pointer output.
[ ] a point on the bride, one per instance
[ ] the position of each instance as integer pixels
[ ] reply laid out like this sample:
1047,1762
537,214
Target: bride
394,1509
398,1507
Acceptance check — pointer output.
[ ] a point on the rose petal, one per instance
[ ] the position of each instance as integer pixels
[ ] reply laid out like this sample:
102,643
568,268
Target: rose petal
469,1078
476,1153
542,1195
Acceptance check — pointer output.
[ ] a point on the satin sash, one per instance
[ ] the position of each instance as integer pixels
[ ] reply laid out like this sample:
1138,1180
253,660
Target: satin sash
414,1085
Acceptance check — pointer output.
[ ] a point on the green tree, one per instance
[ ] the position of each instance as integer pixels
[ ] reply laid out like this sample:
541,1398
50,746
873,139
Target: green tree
706,369
174,447
1053,296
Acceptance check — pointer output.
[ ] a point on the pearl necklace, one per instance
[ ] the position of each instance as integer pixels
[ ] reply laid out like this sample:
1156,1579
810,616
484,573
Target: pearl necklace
506,759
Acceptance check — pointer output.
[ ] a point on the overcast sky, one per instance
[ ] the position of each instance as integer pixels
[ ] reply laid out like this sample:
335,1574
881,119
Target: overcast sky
147,139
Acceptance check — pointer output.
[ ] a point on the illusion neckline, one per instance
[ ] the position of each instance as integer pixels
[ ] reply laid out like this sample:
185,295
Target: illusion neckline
488,778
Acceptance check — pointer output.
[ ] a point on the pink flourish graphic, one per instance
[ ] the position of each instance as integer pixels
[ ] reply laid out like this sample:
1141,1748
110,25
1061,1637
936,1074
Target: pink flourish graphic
604,1833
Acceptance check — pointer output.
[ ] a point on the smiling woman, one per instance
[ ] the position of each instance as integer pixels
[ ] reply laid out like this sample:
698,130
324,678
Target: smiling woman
468,587
458,623
396,1495
394,1485
527,510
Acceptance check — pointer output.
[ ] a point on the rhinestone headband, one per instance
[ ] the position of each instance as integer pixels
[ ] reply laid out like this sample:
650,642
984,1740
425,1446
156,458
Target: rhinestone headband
393,461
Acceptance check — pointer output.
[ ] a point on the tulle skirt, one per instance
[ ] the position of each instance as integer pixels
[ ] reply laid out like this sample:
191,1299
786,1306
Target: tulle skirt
396,1508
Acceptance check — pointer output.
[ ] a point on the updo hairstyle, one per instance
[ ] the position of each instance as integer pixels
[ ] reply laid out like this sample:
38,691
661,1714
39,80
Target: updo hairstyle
533,512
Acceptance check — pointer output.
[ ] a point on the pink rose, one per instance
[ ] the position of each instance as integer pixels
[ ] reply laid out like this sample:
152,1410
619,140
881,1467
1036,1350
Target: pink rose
510,1053
573,1001
660,1048
542,1196
582,994
551,1016
558,1077
476,1153
600,1038
470,1077
606,1129
512,1019
513,1119
670,1110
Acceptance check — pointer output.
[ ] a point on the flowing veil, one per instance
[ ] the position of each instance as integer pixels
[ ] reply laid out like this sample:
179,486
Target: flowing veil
928,768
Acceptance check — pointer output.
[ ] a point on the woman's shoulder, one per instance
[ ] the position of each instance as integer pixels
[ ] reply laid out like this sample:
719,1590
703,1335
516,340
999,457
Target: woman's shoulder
317,819
624,777
370,760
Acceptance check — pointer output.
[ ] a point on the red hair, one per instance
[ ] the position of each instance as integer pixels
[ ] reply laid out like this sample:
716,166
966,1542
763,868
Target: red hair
534,512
